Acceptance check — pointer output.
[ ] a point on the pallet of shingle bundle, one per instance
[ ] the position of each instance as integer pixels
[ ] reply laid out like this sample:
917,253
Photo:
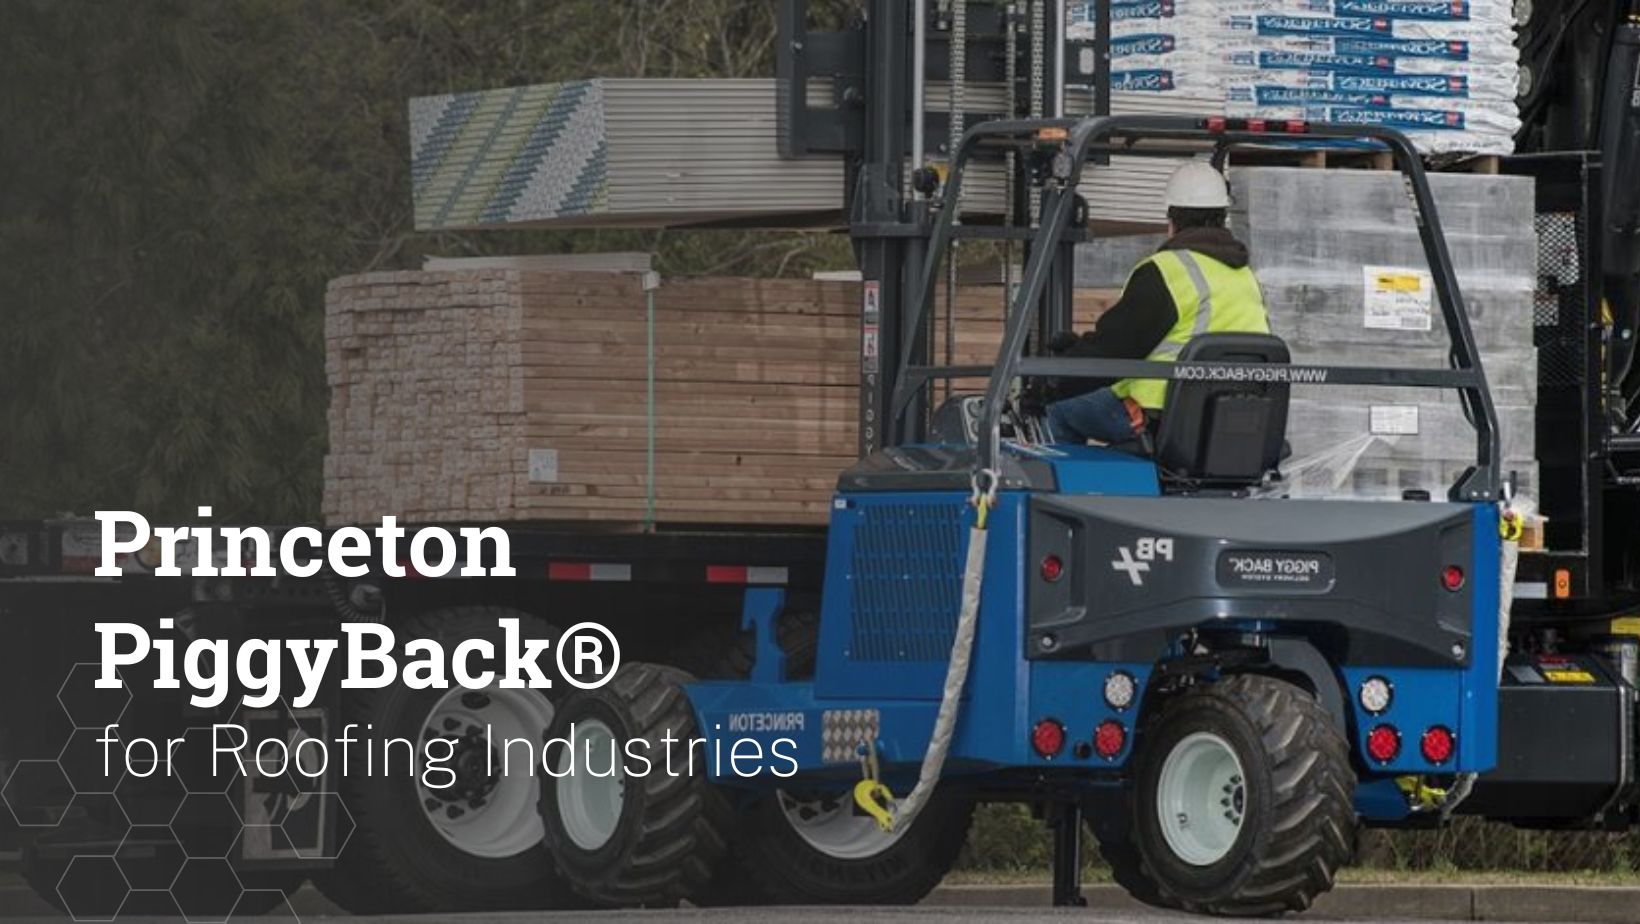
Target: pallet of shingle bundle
500,394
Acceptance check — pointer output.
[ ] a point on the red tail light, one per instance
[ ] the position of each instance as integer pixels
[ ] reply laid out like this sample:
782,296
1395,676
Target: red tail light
1437,744
1109,739
1452,578
1384,743
1048,737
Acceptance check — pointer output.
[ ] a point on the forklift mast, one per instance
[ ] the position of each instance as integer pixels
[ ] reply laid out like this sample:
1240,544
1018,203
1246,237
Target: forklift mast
862,92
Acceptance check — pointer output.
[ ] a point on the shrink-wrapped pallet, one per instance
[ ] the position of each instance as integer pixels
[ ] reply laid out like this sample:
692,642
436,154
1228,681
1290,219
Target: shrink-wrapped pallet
1325,244
1342,267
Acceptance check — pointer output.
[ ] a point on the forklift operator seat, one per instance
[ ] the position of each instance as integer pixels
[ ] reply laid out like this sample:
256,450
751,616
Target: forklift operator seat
1226,434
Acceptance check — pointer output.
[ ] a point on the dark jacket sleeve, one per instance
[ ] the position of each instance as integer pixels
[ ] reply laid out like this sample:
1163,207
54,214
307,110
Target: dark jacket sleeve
1129,329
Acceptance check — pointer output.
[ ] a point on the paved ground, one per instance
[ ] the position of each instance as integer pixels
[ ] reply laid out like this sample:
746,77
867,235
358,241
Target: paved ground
1349,904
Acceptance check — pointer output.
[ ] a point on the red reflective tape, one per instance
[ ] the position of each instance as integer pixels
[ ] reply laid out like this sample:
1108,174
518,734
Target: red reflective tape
569,571
725,574
741,574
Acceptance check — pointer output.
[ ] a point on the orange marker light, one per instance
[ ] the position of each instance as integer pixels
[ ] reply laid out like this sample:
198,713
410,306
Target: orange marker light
1563,583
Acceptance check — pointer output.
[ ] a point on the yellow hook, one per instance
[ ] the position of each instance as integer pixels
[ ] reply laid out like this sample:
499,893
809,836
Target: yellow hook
874,798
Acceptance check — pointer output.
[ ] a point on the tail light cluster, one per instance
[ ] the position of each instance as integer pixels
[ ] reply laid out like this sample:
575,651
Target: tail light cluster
1110,737
1048,739
1376,694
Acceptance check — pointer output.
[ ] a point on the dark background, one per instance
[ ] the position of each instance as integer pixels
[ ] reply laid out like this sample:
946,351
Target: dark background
180,178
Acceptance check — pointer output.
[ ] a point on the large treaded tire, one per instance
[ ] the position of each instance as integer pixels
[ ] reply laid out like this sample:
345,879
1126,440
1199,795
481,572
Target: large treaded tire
396,862
1299,821
1110,821
671,831
769,864
773,865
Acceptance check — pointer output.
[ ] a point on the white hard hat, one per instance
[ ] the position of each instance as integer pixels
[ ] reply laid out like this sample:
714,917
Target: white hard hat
1196,185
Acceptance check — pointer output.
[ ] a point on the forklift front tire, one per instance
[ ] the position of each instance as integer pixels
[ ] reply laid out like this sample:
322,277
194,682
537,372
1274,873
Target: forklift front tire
810,849
1245,799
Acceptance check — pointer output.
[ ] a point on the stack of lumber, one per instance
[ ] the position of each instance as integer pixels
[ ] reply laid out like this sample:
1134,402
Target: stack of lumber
501,394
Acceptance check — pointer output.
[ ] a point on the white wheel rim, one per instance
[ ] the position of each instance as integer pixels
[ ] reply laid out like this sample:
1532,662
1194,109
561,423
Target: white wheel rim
828,824
590,799
486,813
1201,799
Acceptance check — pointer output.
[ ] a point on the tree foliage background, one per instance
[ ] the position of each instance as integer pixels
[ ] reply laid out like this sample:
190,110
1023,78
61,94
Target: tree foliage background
180,178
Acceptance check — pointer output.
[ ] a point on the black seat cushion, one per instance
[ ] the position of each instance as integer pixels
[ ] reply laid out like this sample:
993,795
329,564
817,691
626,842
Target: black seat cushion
1224,434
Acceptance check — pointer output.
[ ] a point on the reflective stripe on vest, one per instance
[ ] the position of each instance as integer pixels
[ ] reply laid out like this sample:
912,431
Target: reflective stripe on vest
1210,298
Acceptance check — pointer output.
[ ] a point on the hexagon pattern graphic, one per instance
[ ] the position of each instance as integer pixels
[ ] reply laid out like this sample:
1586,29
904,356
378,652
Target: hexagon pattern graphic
86,705
91,765
36,793
93,888
150,857
177,826
151,800
207,825
207,890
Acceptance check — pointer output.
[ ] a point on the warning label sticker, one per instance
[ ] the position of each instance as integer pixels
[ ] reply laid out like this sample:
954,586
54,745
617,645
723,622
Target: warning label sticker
1397,298
1393,419
543,466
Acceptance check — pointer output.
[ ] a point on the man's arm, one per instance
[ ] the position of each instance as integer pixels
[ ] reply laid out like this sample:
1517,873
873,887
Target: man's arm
1129,329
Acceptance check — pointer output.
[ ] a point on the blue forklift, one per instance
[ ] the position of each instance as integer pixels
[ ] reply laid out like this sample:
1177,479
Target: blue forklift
1219,679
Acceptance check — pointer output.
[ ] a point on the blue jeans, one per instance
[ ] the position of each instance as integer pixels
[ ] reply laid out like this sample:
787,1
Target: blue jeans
1097,415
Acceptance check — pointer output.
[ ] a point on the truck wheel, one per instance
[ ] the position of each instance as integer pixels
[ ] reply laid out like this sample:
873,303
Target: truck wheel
617,837
473,846
1244,799
813,849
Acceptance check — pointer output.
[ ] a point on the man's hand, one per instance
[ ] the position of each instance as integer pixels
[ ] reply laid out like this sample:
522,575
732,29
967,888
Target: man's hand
1035,397
1062,342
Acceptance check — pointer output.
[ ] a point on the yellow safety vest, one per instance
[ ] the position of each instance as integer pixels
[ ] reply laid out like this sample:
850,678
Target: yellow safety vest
1211,298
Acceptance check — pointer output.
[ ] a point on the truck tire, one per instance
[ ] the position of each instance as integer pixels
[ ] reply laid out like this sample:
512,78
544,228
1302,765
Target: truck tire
475,846
1244,800
629,840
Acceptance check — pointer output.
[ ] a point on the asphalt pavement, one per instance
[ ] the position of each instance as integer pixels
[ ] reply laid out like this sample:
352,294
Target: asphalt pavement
1348,904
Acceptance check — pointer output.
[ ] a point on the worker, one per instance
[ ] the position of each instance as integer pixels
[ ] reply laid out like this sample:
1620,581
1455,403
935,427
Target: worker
1198,282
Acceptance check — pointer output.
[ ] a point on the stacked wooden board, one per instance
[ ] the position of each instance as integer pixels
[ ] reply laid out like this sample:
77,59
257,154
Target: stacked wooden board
500,394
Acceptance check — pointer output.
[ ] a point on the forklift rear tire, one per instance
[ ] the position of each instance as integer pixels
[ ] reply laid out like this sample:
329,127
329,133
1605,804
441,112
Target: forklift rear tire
463,848
1245,799
795,850
619,838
